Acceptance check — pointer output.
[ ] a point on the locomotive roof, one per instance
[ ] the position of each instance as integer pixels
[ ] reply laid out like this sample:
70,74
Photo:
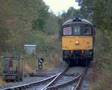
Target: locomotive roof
77,20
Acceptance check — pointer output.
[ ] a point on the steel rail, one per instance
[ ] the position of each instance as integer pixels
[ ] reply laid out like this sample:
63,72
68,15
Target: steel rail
52,80
55,79
29,84
64,84
78,85
78,80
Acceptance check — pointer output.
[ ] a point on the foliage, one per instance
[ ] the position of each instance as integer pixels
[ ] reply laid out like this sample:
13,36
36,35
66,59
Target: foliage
25,21
71,13
40,22
101,17
4,35
52,26
28,22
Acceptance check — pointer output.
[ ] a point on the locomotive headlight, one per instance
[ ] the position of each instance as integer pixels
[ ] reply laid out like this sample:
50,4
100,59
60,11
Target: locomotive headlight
77,42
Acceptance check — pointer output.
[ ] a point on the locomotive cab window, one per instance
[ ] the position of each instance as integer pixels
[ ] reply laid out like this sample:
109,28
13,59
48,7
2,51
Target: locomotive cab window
67,30
76,30
86,30
82,30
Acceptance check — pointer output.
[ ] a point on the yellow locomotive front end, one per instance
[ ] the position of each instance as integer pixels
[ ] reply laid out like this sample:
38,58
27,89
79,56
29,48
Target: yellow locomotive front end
78,42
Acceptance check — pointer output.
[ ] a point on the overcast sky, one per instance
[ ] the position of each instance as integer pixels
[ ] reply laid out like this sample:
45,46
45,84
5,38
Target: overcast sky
57,6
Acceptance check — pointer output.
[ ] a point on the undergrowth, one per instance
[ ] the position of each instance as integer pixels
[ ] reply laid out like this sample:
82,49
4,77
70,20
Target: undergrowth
102,70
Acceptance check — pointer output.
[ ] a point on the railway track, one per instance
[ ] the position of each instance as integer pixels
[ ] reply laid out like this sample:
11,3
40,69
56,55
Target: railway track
26,86
73,84
60,81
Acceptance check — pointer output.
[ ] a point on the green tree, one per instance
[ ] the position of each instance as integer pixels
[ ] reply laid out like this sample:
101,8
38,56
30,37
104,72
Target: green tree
43,14
71,13
4,35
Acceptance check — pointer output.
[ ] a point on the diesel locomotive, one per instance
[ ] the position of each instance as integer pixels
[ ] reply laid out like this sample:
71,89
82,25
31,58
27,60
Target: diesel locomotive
77,38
